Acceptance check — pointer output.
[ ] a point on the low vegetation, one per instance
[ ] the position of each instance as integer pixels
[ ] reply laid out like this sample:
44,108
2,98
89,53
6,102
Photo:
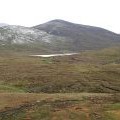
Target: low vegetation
85,86
62,106
85,72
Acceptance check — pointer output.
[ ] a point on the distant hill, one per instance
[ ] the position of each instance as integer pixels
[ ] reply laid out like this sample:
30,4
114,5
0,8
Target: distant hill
56,36
3,24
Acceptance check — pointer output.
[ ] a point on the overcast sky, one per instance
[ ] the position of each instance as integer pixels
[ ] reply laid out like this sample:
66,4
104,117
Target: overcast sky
101,13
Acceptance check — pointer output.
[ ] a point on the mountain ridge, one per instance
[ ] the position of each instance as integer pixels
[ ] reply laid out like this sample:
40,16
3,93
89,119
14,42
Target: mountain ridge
57,36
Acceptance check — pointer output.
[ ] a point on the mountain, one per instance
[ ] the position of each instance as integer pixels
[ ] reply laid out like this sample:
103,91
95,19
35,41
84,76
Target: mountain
80,36
56,36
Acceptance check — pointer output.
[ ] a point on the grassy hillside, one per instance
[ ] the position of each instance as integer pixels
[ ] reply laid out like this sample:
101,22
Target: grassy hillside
92,71
85,86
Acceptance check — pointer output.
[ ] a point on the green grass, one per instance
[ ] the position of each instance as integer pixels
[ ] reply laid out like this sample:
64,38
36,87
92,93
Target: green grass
115,106
9,88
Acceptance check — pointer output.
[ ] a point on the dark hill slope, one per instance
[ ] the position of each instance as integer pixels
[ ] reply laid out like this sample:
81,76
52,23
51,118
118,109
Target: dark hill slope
80,36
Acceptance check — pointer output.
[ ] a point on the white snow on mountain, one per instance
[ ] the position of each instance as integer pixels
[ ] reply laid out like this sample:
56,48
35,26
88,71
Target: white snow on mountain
21,35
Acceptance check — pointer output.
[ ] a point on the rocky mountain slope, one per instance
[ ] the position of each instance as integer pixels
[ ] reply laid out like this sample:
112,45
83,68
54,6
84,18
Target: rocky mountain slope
21,35
56,36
